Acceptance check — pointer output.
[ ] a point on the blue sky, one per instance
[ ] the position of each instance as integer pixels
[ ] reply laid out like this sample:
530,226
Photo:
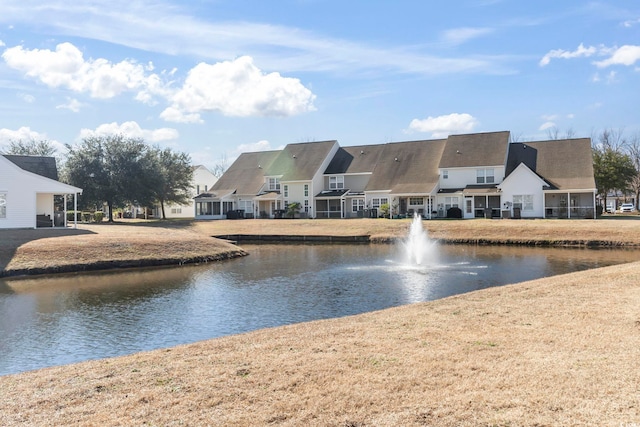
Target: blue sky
218,77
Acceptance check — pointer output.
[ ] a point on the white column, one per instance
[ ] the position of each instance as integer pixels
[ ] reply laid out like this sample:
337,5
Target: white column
75,210
64,211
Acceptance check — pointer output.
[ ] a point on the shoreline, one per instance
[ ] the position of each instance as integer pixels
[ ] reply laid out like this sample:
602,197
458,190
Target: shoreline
135,244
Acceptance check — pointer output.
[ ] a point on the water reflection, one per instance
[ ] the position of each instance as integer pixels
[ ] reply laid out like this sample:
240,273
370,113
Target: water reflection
65,319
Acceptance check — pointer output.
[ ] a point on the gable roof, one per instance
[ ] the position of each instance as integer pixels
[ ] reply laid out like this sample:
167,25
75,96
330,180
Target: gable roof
300,161
475,150
355,159
246,174
40,165
567,164
525,168
407,167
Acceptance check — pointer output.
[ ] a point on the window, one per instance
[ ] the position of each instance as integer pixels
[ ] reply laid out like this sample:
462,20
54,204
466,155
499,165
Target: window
357,205
245,205
286,191
468,206
274,184
176,210
336,182
376,203
416,201
197,189
485,176
445,174
523,201
450,202
489,176
306,206
3,205
306,190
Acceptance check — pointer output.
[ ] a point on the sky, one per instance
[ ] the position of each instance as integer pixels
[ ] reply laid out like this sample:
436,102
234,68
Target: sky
215,78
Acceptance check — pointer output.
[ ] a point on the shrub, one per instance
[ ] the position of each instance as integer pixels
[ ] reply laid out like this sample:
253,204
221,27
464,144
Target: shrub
98,216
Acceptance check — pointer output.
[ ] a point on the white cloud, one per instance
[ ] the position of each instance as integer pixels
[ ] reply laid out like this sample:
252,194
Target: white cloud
262,145
72,104
442,126
624,55
239,88
2,43
26,134
133,130
66,67
549,117
29,99
581,51
172,114
630,23
547,125
461,35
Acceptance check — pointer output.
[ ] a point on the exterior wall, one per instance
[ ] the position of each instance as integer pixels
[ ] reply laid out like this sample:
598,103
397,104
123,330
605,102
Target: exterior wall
317,182
351,182
461,177
296,194
524,182
445,201
27,195
203,180
371,195
44,204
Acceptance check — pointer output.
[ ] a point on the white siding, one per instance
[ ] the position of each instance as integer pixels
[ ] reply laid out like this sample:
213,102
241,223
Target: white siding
523,181
461,177
27,194
202,178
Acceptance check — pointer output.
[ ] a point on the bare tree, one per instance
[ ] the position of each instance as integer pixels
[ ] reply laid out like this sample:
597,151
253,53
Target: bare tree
554,133
219,168
610,139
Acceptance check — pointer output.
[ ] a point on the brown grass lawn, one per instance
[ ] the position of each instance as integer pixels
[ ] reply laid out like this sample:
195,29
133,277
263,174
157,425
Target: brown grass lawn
556,351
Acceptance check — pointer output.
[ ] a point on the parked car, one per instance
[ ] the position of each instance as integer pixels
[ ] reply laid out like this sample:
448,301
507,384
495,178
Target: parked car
627,207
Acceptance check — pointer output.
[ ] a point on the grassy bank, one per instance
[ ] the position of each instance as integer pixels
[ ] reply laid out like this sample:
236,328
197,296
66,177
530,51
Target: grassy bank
556,351
105,246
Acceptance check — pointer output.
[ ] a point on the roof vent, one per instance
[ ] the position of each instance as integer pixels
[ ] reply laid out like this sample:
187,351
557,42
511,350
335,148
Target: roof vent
361,151
294,156
458,152
396,159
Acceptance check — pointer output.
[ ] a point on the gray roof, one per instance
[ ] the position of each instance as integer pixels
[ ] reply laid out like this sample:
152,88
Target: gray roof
301,161
408,167
355,159
246,174
40,165
564,163
475,150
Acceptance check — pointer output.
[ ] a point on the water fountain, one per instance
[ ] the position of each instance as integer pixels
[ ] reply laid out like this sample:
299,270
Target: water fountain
419,248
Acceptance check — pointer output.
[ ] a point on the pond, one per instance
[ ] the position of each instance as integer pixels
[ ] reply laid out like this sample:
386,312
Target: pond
57,320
